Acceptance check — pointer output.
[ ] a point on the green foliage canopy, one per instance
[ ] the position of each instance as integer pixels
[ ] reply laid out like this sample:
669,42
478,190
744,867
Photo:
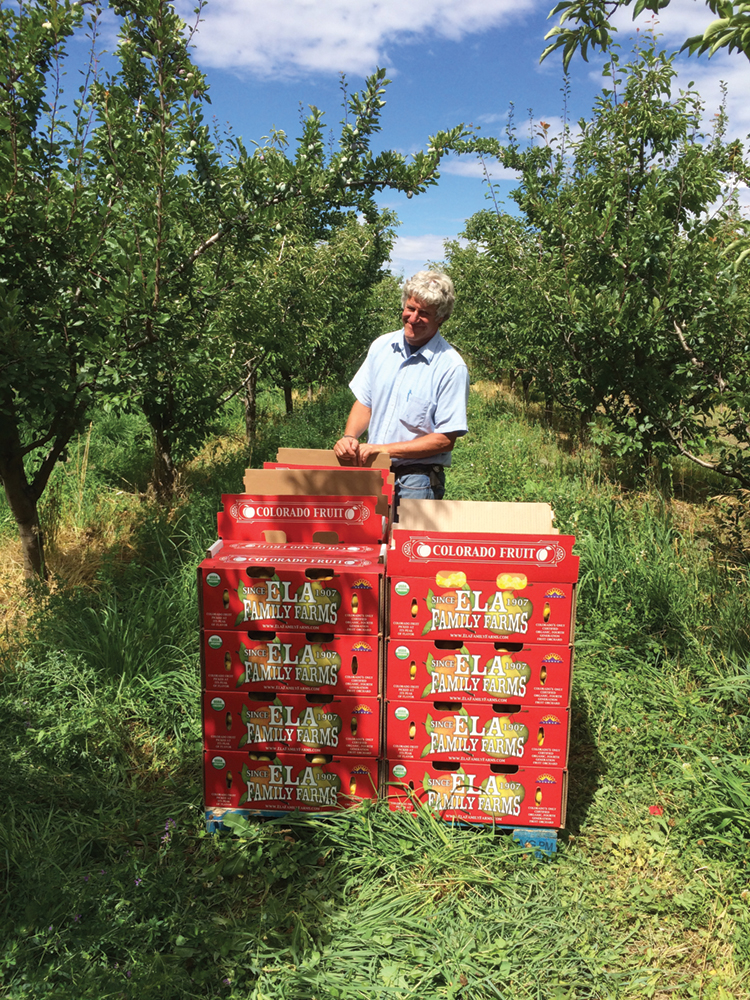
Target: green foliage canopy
624,288
55,351
592,26
124,227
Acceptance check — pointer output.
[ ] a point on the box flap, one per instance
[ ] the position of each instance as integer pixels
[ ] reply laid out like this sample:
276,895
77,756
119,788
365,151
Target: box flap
478,556
317,482
263,556
385,472
324,519
476,516
270,551
322,456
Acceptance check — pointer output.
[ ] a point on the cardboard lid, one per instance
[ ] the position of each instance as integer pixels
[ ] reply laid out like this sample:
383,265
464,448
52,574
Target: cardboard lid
269,551
476,516
322,456
317,482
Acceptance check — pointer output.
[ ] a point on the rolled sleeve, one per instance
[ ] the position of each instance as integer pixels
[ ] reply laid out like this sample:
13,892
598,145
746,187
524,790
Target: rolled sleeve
450,412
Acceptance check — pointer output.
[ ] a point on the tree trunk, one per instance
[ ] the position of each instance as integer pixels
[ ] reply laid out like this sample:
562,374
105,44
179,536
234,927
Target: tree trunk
164,467
288,401
548,408
23,496
23,504
250,399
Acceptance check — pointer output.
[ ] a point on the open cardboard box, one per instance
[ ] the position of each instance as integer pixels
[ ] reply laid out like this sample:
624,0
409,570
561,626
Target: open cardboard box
321,458
491,571
342,480
284,518
298,552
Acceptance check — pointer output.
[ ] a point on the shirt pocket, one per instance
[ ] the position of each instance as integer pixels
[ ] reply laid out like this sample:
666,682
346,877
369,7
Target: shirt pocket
417,415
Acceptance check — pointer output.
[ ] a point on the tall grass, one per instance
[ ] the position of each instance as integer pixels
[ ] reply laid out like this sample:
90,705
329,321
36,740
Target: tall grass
113,888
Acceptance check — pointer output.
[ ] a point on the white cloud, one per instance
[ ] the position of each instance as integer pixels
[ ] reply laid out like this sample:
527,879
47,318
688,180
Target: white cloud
352,36
680,20
492,119
708,74
412,253
471,166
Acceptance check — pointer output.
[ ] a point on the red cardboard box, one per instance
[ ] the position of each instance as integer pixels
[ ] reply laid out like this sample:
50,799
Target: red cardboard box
271,787
476,732
279,591
295,662
481,671
454,575
478,609
480,793
247,517
291,723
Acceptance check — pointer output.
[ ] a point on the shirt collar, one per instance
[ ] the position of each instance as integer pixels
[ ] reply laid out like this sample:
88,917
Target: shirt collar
426,351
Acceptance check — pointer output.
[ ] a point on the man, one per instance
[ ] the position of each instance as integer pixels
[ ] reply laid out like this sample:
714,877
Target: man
412,392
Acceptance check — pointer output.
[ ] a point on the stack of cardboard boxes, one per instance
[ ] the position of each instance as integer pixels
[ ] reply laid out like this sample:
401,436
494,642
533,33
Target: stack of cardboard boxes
481,604
291,603
433,669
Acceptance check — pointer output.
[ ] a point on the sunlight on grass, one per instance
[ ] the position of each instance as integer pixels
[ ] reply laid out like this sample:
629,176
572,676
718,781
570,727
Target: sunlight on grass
114,888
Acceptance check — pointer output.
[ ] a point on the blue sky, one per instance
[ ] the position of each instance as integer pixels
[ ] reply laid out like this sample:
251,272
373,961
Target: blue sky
450,61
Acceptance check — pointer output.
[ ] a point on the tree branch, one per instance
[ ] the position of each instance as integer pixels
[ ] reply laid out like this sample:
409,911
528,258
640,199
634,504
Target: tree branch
701,365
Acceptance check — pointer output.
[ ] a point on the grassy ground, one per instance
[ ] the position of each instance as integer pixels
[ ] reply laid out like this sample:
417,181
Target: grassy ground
112,888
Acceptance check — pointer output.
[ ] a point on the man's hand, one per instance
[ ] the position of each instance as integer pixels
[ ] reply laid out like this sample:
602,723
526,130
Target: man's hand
347,450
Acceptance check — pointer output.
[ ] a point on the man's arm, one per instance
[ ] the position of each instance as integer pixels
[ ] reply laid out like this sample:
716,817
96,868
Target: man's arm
420,447
348,448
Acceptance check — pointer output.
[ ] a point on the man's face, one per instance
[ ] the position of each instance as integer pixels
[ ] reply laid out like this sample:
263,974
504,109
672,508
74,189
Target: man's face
420,323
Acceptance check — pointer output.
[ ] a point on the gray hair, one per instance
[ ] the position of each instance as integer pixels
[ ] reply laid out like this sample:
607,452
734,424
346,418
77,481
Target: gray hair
433,288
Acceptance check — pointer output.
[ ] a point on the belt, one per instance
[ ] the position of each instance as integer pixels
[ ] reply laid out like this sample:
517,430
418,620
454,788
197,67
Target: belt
420,469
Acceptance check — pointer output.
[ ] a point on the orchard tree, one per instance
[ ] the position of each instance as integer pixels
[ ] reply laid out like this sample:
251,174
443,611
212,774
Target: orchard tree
159,169
587,24
642,296
508,312
301,312
119,218
189,221
55,349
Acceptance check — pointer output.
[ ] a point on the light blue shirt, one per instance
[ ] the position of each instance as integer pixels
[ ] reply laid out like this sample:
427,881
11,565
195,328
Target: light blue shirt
413,394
